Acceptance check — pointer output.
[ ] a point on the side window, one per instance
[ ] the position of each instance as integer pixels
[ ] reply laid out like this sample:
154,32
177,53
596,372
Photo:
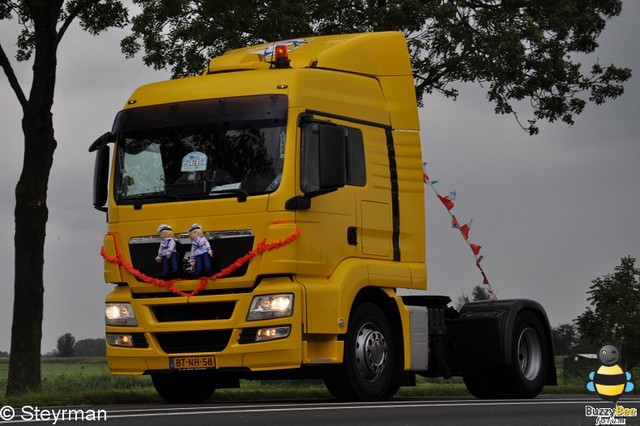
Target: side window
356,172
313,136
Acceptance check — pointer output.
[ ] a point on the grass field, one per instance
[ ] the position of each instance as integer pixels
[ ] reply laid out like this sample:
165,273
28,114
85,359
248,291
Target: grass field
67,381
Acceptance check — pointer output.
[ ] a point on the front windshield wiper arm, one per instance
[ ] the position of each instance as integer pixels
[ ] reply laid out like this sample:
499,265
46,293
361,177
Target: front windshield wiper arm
241,194
229,190
139,200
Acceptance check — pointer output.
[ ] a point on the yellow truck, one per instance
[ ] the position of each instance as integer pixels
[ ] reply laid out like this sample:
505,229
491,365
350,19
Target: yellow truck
261,218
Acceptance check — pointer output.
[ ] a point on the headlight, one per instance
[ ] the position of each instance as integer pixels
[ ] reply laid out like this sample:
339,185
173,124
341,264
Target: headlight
270,306
120,314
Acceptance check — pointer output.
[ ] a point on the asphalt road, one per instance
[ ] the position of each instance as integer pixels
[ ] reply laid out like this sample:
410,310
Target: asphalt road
544,410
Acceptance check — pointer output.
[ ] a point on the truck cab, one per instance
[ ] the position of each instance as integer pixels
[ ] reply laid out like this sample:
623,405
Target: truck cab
300,162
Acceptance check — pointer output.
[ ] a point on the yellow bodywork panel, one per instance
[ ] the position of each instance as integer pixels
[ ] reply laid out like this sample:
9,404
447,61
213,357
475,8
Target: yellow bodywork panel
381,54
111,270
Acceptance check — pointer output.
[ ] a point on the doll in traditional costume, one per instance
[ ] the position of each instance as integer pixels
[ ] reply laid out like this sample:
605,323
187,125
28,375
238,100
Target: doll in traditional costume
167,253
201,252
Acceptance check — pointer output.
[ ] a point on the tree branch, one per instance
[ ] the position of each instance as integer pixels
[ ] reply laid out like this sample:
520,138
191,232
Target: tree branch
13,80
72,15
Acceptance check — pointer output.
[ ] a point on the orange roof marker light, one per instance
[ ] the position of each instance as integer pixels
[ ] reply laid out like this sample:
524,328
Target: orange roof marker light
281,56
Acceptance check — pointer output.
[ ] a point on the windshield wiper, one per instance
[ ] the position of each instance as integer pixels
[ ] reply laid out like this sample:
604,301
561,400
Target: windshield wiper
229,190
140,199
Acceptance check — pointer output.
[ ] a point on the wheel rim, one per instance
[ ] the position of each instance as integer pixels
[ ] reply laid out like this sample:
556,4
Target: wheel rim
371,352
529,353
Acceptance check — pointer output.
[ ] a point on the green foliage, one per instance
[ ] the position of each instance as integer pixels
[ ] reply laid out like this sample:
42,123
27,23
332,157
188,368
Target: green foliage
565,339
82,380
613,316
93,16
90,348
77,381
520,50
477,293
65,345
182,35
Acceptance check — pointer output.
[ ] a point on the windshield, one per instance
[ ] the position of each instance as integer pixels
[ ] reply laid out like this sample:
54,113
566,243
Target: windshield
205,150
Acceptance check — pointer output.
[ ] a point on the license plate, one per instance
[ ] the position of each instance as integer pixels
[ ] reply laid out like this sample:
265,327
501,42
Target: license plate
192,363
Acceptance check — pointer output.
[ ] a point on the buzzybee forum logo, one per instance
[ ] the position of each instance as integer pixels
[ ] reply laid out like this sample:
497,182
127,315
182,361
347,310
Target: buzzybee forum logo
610,381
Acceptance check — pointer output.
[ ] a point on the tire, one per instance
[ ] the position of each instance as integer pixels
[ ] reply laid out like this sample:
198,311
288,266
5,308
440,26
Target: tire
183,388
525,375
530,354
485,382
368,368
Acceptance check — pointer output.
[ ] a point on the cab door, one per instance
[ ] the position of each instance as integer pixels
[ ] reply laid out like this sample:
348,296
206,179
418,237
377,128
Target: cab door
327,216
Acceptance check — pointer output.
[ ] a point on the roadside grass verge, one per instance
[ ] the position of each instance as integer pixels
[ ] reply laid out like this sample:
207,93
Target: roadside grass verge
87,381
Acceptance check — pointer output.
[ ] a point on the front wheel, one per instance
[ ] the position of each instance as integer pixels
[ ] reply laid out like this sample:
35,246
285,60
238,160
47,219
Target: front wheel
368,368
183,387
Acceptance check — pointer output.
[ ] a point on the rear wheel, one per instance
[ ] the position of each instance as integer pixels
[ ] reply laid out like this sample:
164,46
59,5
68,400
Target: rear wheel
183,387
530,352
525,375
368,367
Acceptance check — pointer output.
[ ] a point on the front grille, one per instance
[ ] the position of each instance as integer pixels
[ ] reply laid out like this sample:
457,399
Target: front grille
227,246
248,335
139,341
211,292
193,341
194,312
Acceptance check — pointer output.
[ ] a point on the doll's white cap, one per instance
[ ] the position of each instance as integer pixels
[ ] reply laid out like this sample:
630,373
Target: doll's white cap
192,227
163,227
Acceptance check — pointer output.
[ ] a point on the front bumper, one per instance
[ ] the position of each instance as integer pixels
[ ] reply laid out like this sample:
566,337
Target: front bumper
206,325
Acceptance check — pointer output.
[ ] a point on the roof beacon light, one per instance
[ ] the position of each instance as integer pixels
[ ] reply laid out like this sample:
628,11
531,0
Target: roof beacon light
282,56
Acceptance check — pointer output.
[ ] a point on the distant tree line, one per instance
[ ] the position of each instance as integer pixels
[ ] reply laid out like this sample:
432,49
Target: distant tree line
477,293
67,346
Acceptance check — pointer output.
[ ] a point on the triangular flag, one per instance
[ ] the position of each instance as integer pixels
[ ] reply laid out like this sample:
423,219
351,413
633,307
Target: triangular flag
454,222
447,202
475,248
464,229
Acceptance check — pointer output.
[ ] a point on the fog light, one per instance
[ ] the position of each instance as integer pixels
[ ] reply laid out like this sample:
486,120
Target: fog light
272,333
125,340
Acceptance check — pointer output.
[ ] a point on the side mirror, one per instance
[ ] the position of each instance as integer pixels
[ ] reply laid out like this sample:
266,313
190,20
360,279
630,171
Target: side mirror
101,178
102,141
332,158
101,170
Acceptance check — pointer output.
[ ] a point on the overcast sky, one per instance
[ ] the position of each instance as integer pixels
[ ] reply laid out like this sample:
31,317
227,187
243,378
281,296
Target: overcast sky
552,212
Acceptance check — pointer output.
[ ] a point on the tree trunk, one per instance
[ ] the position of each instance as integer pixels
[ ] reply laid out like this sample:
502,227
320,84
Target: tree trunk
31,212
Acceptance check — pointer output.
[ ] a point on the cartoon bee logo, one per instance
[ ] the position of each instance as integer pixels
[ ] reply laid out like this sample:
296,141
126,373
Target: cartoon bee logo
610,381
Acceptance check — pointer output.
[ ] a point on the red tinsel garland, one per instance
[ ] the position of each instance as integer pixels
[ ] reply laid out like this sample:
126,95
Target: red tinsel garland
263,246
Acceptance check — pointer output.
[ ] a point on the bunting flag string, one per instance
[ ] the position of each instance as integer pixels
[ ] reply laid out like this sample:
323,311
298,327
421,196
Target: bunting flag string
448,202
